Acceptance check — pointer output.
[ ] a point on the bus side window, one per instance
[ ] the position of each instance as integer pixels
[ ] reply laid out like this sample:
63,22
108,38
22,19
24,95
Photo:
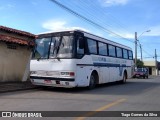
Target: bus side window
130,55
112,50
80,46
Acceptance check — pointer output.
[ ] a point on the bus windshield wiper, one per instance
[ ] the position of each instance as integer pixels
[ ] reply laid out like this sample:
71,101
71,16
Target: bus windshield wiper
57,47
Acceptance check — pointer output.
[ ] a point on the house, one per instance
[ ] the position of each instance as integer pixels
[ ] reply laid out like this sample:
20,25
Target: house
153,70
15,54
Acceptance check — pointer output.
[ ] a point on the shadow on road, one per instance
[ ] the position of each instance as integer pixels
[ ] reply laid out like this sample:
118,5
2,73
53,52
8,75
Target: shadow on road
132,87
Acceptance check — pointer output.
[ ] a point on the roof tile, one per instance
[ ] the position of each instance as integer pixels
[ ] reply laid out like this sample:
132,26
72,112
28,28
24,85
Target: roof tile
17,31
16,40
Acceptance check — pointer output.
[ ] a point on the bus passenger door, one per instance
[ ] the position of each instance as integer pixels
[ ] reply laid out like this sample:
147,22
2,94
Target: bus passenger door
81,75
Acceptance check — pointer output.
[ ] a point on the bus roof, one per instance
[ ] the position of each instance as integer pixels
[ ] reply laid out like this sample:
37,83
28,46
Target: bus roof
89,35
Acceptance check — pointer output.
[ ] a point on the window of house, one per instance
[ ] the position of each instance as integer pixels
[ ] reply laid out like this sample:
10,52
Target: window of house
11,46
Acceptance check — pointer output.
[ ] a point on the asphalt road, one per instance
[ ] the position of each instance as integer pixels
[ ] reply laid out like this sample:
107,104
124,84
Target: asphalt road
135,95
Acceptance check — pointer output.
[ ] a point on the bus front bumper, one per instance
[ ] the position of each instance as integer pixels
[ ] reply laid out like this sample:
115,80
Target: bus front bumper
55,82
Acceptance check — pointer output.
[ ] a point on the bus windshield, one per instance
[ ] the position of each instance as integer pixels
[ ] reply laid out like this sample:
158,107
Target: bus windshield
54,47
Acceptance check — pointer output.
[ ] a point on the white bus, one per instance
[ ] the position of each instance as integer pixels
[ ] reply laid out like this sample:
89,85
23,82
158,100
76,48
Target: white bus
79,59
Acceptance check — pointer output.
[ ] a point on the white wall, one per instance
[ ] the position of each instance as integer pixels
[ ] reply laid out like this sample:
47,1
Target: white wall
13,62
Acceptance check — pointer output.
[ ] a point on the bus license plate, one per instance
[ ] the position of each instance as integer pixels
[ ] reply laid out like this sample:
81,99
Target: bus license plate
47,81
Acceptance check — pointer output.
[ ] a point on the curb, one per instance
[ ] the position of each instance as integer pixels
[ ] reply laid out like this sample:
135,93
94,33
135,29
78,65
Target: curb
17,90
12,87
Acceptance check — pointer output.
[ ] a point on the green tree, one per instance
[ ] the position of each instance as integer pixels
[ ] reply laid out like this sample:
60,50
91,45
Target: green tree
140,63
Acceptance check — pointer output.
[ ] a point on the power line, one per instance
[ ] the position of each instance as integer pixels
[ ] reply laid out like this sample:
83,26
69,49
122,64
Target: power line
98,20
88,20
92,22
114,19
102,12
147,53
86,13
140,45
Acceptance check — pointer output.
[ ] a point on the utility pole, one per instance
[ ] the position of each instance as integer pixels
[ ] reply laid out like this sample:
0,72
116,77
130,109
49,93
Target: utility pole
136,39
135,49
156,62
141,52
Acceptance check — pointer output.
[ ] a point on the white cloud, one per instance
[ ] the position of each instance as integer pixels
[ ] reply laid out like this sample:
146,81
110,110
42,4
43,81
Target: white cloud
34,2
123,34
8,6
155,31
108,3
59,25
2,7
128,35
54,25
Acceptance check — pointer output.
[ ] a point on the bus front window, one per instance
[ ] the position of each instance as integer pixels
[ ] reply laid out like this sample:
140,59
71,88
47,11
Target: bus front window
65,49
42,48
55,47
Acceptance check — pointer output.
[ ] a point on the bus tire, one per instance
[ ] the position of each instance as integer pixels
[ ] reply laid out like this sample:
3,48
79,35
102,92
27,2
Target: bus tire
92,83
124,78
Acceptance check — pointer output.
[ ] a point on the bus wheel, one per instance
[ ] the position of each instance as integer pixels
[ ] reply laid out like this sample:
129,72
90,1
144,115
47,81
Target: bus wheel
92,83
124,78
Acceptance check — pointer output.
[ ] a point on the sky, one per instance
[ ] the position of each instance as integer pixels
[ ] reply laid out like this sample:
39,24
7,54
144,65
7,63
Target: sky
120,18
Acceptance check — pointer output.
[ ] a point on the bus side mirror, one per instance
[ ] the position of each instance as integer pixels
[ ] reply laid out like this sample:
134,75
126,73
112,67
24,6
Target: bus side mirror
81,43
